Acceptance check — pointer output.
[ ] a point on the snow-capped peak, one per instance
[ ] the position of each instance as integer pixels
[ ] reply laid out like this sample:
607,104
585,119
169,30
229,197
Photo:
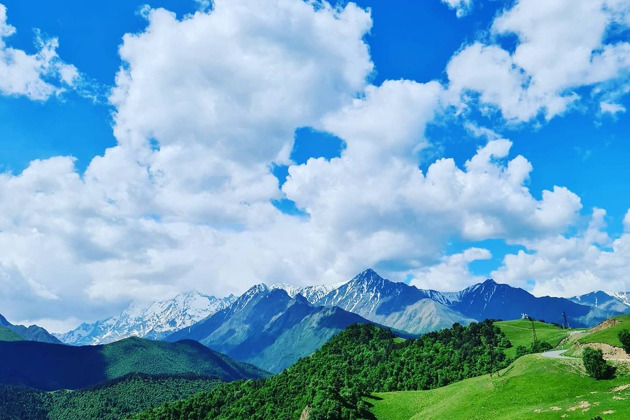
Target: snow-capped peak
155,320
620,296
311,293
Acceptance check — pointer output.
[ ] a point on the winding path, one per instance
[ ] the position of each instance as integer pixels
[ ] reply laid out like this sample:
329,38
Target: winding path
555,354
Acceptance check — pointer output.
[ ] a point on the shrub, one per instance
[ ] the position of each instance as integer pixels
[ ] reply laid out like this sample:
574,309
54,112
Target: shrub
624,337
595,364
541,346
521,350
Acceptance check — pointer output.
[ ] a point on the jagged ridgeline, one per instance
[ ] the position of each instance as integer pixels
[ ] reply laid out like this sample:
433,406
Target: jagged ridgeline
333,381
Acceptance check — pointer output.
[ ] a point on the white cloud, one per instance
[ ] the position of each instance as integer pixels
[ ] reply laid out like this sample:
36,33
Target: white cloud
375,204
222,117
452,273
611,108
462,7
562,265
204,106
37,76
553,58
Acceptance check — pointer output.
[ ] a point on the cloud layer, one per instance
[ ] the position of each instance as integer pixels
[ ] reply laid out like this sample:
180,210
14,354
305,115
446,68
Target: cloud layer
207,104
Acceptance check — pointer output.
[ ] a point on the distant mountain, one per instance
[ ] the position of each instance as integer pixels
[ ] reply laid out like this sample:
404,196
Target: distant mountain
490,300
154,321
56,366
30,333
392,304
407,308
269,328
606,301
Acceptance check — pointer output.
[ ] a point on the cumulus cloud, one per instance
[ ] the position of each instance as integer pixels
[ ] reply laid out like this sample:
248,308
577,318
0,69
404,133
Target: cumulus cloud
204,106
552,60
375,204
569,265
37,76
221,94
452,273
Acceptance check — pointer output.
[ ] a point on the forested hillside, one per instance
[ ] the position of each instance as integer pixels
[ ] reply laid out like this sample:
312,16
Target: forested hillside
331,383
112,400
50,367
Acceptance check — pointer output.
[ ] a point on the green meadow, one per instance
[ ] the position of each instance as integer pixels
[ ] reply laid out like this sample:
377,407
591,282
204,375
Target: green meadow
609,335
519,332
533,387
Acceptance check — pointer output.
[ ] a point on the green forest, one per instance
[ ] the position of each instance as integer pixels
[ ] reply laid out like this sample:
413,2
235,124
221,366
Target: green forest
112,400
333,382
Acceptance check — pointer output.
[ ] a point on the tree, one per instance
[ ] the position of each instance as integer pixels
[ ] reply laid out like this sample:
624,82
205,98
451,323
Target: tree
521,350
541,346
624,337
595,364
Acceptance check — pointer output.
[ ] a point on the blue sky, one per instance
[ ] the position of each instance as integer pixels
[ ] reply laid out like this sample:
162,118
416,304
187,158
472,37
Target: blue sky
152,147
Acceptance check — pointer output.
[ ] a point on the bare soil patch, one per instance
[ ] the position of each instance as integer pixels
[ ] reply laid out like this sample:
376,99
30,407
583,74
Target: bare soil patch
610,352
582,405
603,325
620,388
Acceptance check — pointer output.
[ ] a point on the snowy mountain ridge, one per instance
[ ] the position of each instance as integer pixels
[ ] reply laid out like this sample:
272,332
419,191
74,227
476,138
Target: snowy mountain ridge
311,293
153,321
393,304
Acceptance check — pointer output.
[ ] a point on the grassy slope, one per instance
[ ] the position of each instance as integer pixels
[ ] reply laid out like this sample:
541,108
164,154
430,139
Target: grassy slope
519,332
531,383
8,335
609,335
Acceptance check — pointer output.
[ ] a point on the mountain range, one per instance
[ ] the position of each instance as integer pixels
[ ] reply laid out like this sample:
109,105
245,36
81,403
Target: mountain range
491,300
274,326
395,305
606,301
269,328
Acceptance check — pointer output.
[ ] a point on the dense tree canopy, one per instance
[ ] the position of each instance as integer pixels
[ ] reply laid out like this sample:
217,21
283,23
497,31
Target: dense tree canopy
112,400
331,383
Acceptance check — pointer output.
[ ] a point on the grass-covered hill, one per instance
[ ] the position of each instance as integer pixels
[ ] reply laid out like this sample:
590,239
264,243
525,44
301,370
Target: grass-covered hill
534,387
520,333
51,366
112,400
608,331
331,383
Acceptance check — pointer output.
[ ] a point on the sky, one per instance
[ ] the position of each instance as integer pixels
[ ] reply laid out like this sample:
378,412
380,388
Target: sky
149,148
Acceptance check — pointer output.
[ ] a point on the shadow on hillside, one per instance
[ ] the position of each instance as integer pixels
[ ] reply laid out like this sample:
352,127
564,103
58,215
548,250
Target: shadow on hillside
50,367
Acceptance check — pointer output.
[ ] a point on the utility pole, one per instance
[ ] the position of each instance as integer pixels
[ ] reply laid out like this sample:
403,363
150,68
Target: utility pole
565,321
534,331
